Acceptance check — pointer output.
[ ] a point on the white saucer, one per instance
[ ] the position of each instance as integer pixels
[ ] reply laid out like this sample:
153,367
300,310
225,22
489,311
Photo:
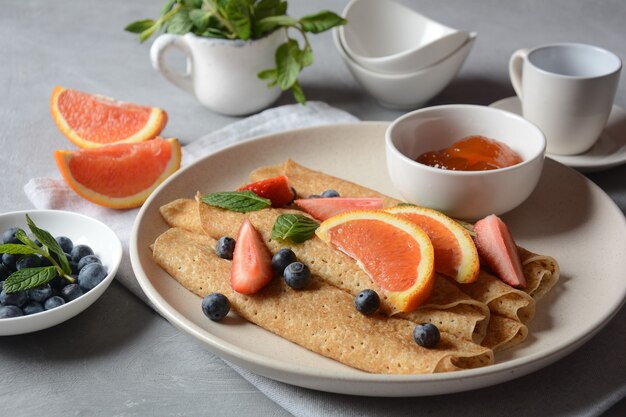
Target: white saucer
609,151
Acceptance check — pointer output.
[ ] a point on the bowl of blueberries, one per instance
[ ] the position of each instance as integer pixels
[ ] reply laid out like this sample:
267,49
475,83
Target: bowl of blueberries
54,264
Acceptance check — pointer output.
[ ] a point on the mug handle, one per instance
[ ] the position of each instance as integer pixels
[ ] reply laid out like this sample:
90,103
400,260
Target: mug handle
157,56
515,70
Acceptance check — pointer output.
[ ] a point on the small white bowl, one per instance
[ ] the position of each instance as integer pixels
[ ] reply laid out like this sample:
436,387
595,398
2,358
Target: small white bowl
467,195
408,91
81,230
385,36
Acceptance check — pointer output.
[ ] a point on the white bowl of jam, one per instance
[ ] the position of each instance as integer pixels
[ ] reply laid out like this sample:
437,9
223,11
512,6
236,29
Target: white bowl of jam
473,160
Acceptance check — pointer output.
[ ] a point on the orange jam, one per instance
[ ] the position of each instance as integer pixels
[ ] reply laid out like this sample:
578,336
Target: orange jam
473,153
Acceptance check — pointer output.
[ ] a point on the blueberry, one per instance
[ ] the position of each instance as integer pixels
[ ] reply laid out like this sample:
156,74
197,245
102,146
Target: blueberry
58,282
295,195
367,301
282,259
9,260
32,307
426,335
4,272
330,193
89,259
7,312
71,292
297,275
15,298
225,247
29,261
41,293
9,236
215,306
53,302
65,243
78,252
90,276
44,261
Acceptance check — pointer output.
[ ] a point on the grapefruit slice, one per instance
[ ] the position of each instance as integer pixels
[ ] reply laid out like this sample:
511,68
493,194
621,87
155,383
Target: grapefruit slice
91,121
455,253
497,248
325,208
119,176
395,253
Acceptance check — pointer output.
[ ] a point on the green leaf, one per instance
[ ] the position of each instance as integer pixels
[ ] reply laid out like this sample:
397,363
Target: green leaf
238,14
271,23
270,75
306,56
180,23
467,226
298,94
147,33
200,19
17,249
49,242
167,6
266,8
402,204
22,237
27,278
241,201
288,63
295,228
321,21
140,26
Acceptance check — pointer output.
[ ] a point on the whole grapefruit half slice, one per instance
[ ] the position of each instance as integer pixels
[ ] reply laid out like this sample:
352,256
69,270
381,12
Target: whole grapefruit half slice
119,176
395,253
455,252
91,121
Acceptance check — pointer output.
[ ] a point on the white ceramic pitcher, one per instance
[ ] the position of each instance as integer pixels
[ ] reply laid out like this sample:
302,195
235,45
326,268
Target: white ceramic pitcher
222,73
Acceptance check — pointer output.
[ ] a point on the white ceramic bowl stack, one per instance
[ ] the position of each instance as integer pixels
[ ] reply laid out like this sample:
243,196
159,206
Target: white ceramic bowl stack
401,58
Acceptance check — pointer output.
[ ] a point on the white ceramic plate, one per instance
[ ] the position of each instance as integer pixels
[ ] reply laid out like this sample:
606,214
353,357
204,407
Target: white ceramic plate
81,230
567,216
608,152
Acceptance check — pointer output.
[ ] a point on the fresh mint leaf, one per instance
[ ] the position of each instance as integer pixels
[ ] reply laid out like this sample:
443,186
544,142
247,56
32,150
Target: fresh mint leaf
322,21
241,201
180,24
271,23
145,35
295,228
49,242
306,56
18,249
22,237
288,63
467,226
298,94
270,75
140,26
27,278
238,14
200,19
266,8
169,4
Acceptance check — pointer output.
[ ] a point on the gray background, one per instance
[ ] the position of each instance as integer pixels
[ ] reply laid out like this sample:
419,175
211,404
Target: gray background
121,358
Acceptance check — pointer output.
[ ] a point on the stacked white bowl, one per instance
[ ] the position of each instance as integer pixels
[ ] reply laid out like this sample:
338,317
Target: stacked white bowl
400,57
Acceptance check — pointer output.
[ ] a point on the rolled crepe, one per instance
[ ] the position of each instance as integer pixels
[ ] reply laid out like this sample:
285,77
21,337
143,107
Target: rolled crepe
321,318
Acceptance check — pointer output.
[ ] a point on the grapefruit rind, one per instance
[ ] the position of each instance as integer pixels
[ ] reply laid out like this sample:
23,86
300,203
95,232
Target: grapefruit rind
410,298
154,125
468,269
63,157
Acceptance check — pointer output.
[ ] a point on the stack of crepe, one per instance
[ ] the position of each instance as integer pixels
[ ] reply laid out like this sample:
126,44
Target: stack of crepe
474,319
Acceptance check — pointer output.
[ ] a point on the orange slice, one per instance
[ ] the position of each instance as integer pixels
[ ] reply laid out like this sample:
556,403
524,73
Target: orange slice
91,121
122,175
394,252
455,252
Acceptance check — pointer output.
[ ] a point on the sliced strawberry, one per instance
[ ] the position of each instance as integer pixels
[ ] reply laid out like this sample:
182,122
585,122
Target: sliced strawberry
497,248
276,189
252,261
325,208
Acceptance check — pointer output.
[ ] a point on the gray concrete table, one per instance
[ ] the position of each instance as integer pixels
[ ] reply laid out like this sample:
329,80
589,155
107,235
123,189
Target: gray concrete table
119,357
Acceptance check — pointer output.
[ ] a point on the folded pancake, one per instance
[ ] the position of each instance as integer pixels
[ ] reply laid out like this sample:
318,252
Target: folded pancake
503,333
448,307
541,272
321,318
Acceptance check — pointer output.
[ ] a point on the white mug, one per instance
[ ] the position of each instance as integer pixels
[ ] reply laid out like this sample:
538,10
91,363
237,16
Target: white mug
222,73
567,90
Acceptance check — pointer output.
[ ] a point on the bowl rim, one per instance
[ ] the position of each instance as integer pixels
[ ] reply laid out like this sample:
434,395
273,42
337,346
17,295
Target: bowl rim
400,76
112,269
397,55
391,147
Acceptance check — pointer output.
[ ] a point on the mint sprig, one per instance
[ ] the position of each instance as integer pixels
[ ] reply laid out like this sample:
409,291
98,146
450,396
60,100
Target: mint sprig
33,277
295,228
240,201
245,19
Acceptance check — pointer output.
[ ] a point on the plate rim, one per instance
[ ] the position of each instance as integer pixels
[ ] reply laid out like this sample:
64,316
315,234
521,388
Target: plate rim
504,371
